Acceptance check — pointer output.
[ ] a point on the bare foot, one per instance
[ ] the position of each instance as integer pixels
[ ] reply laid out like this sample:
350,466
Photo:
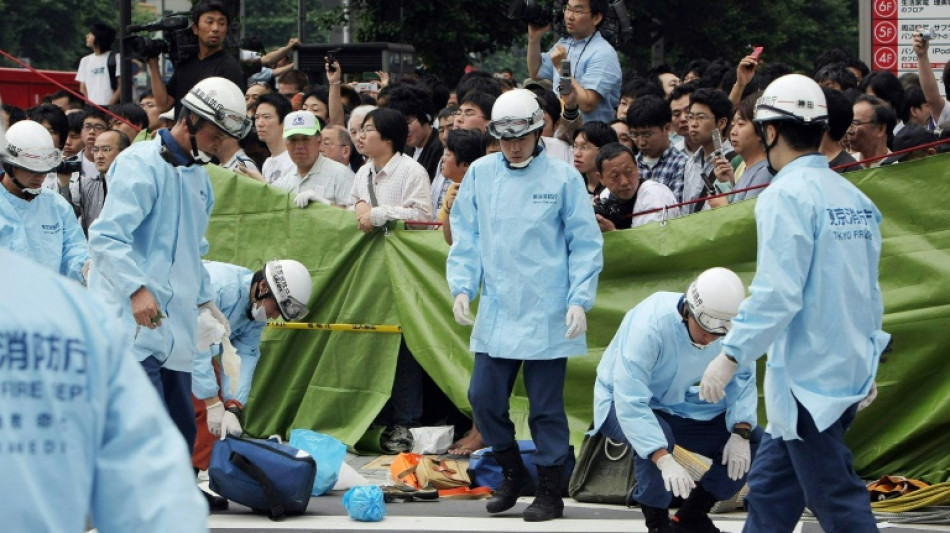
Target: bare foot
469,443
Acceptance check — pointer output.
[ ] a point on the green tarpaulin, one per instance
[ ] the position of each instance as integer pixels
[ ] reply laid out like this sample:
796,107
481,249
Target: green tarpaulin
336,382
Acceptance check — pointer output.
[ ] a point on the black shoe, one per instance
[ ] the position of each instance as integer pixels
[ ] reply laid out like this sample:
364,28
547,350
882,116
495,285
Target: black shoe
396,439
547,504
215,502
693,515
657,519
515,478
409,494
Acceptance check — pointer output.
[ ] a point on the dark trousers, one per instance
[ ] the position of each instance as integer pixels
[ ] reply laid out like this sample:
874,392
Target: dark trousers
405,406
490,391
705,437
818,471
174,388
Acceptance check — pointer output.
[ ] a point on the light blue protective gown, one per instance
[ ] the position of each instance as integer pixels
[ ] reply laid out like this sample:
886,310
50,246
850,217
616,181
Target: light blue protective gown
528,238
44,229
82,431
151,233
651,364
815,303
231,289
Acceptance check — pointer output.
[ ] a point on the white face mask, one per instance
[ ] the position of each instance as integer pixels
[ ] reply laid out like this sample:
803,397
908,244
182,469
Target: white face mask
259,313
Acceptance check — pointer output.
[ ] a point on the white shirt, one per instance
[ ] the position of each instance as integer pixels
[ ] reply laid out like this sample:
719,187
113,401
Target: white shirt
93,72
401,187
651,195
326,177
275,167
240,157
558,149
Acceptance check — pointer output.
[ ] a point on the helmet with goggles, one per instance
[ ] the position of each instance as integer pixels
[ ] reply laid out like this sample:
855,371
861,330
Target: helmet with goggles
713,299
515,114
28,145
290,283
220,102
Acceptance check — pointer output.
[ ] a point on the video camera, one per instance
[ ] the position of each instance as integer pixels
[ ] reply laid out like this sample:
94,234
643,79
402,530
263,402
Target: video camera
180,43
615,27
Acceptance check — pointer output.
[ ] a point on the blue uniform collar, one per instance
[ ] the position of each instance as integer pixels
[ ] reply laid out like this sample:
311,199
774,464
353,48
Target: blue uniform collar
181,157
812,160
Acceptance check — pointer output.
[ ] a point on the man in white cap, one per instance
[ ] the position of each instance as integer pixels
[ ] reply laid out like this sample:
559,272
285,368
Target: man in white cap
318,178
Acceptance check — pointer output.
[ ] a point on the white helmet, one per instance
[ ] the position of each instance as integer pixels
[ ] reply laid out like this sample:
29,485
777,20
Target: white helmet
221,102
793,97
28,145
290,283
515,114
713,299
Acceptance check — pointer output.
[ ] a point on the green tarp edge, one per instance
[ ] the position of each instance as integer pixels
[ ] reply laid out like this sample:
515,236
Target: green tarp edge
336,383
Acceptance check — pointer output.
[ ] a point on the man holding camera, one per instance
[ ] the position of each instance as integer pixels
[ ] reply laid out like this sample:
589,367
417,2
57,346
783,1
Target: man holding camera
210,25
594,66
626,193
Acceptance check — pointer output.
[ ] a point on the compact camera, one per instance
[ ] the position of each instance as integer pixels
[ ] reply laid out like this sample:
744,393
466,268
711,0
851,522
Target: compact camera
69,165
615,27
926,34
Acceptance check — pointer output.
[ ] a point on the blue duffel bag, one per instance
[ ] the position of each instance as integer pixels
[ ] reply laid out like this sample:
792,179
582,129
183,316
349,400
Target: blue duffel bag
269,477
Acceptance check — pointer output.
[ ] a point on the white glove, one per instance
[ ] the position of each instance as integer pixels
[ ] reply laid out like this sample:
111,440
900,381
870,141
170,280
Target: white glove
219,316
460,309
675,478
216,414
210,331
576,321
306,197
231,365
230,425
85,270
712,388
737,455
869,399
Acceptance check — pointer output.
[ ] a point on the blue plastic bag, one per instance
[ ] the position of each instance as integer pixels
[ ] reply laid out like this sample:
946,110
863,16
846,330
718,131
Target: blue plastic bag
328,452
365,504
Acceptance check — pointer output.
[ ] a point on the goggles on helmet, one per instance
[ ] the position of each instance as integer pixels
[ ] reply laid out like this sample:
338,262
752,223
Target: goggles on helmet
234,123
513,127
35,159
709,324
290,307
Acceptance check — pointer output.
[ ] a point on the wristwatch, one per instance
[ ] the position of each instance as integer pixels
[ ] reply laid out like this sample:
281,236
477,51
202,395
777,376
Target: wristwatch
745,433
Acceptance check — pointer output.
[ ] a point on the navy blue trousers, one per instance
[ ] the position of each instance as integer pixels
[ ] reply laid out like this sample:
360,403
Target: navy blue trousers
174,388
817,471
490,390
705,437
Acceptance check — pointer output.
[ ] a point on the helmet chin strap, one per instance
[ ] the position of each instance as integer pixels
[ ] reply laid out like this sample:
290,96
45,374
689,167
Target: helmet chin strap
760,130
200,157
30,193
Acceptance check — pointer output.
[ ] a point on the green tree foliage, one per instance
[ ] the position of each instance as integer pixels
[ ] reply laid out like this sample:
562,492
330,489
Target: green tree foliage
445,33
792,31
51,34
275,21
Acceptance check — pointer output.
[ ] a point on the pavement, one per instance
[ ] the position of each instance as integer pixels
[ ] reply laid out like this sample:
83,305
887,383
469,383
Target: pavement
327,514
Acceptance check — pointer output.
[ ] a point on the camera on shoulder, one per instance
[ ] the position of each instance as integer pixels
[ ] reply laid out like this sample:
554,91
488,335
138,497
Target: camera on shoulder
180,43
615,27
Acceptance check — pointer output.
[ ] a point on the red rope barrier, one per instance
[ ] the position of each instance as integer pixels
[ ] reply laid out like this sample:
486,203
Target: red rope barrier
67,89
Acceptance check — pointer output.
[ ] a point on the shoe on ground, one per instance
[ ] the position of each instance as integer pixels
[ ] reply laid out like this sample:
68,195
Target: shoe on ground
396,439
215,502
405,493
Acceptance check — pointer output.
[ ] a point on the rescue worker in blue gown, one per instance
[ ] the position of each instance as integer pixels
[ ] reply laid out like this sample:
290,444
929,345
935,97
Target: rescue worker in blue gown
815,306
524,232
82,432
148,241
248,299
34,221
646,396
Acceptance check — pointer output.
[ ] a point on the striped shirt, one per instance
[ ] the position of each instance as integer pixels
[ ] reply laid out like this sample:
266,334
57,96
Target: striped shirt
401,189
668,170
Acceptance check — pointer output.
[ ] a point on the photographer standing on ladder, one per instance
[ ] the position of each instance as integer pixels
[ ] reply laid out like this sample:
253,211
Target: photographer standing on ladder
210,25
593,60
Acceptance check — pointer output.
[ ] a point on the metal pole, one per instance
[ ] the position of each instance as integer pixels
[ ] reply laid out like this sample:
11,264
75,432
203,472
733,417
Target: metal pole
125,64
301,21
